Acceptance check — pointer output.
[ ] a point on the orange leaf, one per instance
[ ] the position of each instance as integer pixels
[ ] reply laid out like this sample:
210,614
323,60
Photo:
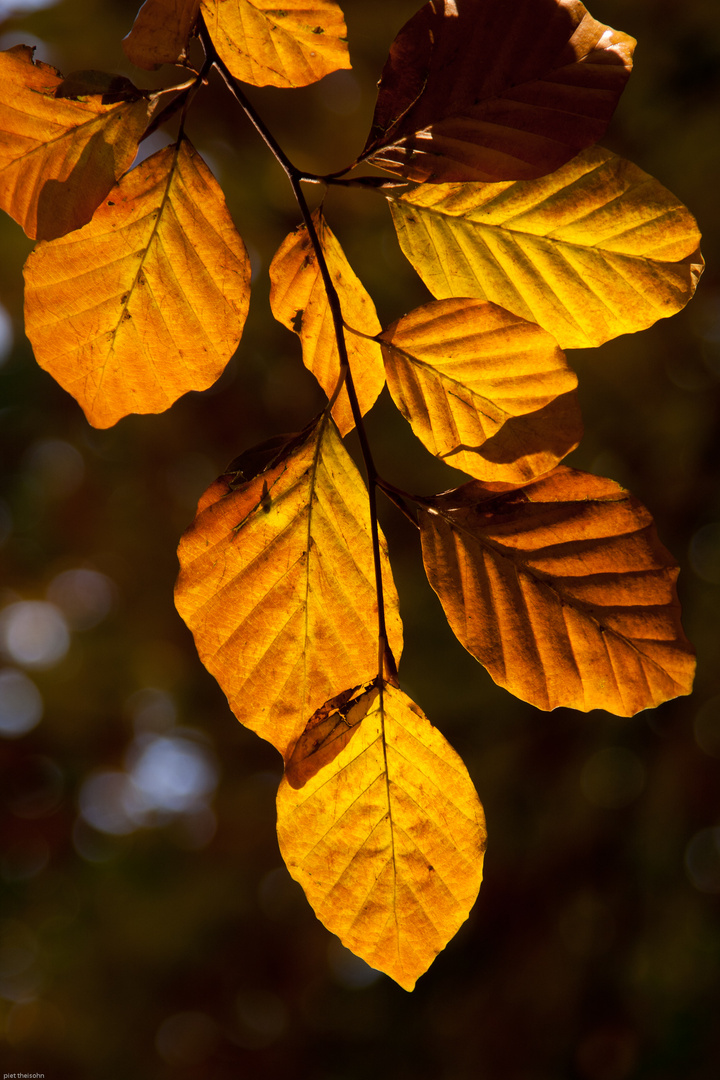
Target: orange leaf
146,302
60,157
562,590
385,833
461,370
492,90
299,301
160,32
266,45
277,585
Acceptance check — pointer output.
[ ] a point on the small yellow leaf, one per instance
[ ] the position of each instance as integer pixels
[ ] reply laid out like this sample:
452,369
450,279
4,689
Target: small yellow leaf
277,585
597,249
149,300
460,370
562,590
386,834
160,32
60,157
299,301
265,45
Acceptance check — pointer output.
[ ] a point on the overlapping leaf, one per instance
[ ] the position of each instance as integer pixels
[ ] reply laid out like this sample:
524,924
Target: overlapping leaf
59,157
146,302
595,250
299,301
277,585
460,370
562,590
489,90
385,834
160,32
267,45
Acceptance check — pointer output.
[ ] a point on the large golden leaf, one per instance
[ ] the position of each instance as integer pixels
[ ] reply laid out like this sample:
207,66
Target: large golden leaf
461,370
562,590
160,32
299,301
267,45
496,90
595,250
277,585
385,833
59,157
146,302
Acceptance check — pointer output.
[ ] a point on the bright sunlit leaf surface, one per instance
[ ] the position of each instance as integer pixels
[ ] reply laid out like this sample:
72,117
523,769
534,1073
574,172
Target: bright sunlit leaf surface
299,301
160,32
496,90
597,249
277,585
149,300
59,157
474,382
268,45
562,590
385,834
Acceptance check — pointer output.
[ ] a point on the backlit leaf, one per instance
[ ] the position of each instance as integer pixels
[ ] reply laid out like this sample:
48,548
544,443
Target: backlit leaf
146,302
160,32
493,90
299,301
562,590
277,585
59,157
597,249
386,834
459,370
266,45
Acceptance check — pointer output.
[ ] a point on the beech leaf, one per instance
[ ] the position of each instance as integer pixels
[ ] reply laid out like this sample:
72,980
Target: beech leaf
492,90
277,585
459,370
299,301
597,249
387,835
265,45
562,590
146,302
161,32
59,155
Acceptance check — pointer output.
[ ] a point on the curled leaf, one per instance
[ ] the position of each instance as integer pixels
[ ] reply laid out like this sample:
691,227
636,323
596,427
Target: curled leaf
161,32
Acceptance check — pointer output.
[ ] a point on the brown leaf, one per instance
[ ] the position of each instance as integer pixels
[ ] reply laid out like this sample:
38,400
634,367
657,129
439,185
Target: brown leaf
562,590
492,90
161,32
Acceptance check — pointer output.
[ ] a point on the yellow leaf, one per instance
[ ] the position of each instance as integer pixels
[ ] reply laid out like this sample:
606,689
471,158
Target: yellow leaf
277,585
299,301
59,157
266,45
597,249
490,90
160,32
387,835
562,590
460,370
146,302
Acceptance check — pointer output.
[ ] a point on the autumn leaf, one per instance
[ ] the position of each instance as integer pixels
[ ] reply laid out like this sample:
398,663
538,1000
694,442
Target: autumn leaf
277,585
387,835
265,45
299,301
146,302
562,590
160,32
489,90
60,156
595,250
460,369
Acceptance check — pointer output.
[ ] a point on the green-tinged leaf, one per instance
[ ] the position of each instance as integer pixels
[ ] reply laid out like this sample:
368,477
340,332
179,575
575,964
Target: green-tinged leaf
595,250
160,32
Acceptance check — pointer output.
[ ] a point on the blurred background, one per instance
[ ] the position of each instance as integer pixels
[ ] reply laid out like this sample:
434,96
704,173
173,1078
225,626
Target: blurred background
148,928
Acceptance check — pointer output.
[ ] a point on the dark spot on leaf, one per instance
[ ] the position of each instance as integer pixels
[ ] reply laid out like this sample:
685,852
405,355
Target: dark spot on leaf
318,30
297,320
